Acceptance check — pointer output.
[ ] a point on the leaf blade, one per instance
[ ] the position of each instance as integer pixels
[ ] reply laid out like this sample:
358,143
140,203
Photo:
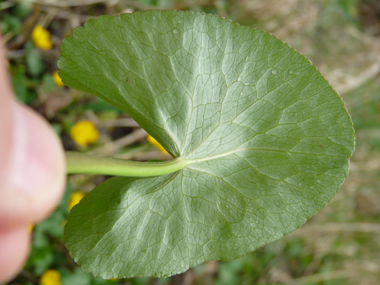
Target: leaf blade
268,138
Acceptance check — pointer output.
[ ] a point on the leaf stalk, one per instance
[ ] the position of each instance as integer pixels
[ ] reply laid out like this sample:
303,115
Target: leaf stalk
84,163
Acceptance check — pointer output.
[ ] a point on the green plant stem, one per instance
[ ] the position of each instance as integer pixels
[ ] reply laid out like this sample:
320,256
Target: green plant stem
82,163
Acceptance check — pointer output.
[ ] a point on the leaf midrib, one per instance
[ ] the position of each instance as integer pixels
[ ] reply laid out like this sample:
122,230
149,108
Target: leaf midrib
208,158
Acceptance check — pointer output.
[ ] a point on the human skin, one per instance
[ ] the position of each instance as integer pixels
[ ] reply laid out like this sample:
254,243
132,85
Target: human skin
32,175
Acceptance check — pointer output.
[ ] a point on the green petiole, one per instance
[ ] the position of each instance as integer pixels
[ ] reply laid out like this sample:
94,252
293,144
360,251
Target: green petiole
82,163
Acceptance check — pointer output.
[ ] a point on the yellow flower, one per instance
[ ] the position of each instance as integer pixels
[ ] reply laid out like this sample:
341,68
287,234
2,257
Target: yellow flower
30,228
57,80
84,133
41,38
50,277
155,143
75,197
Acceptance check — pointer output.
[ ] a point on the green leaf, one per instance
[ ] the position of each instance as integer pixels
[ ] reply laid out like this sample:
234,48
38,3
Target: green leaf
267,139
48,82
9,22
99,106
23,10
77,277
33,60
19,85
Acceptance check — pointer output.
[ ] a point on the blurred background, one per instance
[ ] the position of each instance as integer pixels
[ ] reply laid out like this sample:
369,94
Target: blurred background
339,245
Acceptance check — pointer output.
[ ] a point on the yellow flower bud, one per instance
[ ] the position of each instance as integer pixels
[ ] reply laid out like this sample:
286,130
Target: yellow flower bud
50,277
84,133
155,143
57,80
41,38
75,198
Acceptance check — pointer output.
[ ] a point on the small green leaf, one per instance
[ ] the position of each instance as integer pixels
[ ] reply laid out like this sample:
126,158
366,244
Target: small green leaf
267,138
48,82
34,60
19,85
23,10
77,277
8,23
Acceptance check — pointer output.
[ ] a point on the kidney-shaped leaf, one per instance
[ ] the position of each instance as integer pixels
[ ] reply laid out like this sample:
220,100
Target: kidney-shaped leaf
267,139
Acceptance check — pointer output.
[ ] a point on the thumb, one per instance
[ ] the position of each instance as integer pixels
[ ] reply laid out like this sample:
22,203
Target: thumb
32,174
32,167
